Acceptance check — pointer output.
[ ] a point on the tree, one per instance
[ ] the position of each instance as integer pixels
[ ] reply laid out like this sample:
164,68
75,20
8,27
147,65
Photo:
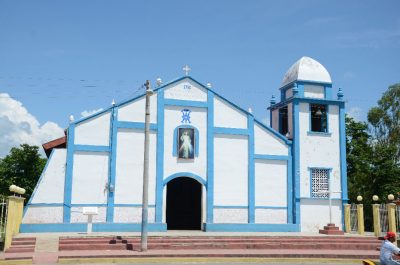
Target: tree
22,167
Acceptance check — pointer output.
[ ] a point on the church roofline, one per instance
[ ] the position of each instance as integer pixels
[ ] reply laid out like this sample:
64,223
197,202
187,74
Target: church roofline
164,86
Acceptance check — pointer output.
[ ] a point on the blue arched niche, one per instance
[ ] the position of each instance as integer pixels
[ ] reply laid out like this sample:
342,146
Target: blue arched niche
175,142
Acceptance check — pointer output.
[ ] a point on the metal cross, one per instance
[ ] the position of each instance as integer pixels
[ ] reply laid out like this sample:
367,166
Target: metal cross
186,69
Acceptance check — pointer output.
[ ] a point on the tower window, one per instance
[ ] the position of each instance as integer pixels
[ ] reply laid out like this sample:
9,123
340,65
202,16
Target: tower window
319,183
319,118
283,120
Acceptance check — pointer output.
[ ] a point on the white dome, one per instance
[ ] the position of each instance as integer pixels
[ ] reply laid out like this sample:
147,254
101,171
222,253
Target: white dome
307,69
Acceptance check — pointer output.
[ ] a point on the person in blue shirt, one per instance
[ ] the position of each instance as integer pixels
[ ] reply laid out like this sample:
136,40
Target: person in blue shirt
388,249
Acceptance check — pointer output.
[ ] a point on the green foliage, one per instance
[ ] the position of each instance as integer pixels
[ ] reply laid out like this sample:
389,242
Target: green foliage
22,167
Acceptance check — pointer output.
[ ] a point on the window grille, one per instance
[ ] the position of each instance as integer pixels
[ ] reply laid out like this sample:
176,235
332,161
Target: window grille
319,183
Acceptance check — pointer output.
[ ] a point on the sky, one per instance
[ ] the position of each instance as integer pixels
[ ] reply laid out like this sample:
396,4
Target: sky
62,58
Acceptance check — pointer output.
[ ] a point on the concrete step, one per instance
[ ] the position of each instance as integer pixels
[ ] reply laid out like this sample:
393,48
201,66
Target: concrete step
20,249
22,243
24,238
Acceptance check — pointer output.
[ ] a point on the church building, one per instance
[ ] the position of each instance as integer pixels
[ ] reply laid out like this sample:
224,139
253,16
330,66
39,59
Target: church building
213,166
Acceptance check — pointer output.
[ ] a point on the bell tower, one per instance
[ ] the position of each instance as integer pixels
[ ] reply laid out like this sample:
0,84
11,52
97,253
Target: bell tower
314,120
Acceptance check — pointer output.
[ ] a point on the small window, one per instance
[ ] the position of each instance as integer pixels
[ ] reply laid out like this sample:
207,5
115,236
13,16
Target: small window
319,118
319,183
283,120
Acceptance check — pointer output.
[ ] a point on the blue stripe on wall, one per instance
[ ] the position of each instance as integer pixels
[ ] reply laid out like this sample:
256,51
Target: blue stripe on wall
271,157
135,125
251,169
185,103
91,148
210,156
160,156
296,168
68,174
234,131
290,188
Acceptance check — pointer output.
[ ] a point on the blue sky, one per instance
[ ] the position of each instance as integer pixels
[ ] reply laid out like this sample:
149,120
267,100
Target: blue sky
65,57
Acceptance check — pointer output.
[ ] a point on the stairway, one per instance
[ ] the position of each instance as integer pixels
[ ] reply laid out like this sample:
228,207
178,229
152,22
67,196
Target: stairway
22,245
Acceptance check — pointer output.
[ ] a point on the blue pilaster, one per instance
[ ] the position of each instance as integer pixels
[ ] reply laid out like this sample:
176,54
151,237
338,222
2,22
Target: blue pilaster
296,162
251,169
290,188
343,165
68,174
112,164
160,155
210,157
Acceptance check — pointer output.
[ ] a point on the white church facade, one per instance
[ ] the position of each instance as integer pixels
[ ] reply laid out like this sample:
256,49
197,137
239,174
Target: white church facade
213,166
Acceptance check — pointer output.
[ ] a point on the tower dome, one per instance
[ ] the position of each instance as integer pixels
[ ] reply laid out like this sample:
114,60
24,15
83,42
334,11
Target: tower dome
307,69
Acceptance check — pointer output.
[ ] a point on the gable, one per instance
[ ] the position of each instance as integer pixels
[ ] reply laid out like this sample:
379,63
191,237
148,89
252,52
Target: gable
227,115
266,142
186,89
94,131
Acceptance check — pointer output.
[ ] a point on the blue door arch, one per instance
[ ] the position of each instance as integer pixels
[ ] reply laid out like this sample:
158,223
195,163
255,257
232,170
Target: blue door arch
183,202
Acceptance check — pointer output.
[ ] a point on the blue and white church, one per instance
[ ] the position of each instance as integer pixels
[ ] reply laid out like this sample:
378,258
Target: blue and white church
213,165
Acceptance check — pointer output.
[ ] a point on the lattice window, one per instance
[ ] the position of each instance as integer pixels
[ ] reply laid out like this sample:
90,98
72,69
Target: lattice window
319,183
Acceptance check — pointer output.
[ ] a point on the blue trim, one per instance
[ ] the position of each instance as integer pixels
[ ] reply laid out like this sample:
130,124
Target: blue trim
290,188
210,157
133,205
306,100
175,141
159,156
185,103
271,157
234,131
94,115
310,169
230,207
300,88
272,207
97,227
311,133
343,164
185,174
135,125
112,164
68,174
251,169
38,183
251,227
306,82
296,162
43,205
91,148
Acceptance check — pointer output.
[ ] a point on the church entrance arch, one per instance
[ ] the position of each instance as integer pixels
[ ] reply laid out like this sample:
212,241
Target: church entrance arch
183,207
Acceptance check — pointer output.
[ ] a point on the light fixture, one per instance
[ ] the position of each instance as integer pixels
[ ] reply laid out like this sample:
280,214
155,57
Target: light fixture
159,81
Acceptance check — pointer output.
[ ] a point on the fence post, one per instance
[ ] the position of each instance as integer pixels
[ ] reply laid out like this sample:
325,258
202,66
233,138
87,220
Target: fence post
391,208
14,218
347,224
377,222
360,218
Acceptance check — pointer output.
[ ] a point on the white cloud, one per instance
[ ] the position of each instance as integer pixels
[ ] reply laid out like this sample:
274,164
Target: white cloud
355,113
86,113
18,126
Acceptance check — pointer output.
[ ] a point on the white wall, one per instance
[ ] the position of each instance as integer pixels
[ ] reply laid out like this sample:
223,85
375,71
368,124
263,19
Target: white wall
271,216
314,214
42,215
50,189
266,142
230,216
231,170
173,118
95,131
319,150
129,167
314,91
135,111
132,214
227,115
186,90
89,178
270,183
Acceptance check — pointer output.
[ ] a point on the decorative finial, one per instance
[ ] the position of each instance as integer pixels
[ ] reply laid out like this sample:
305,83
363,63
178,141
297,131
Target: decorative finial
340,94
250,110
159,81
186,68
209,85
113,102
273,100
71,118
287,135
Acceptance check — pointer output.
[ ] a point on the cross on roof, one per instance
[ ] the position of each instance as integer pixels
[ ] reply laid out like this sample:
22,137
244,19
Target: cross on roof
186,69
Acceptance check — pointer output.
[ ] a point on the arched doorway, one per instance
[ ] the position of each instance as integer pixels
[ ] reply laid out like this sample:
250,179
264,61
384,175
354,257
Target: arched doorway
183,204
